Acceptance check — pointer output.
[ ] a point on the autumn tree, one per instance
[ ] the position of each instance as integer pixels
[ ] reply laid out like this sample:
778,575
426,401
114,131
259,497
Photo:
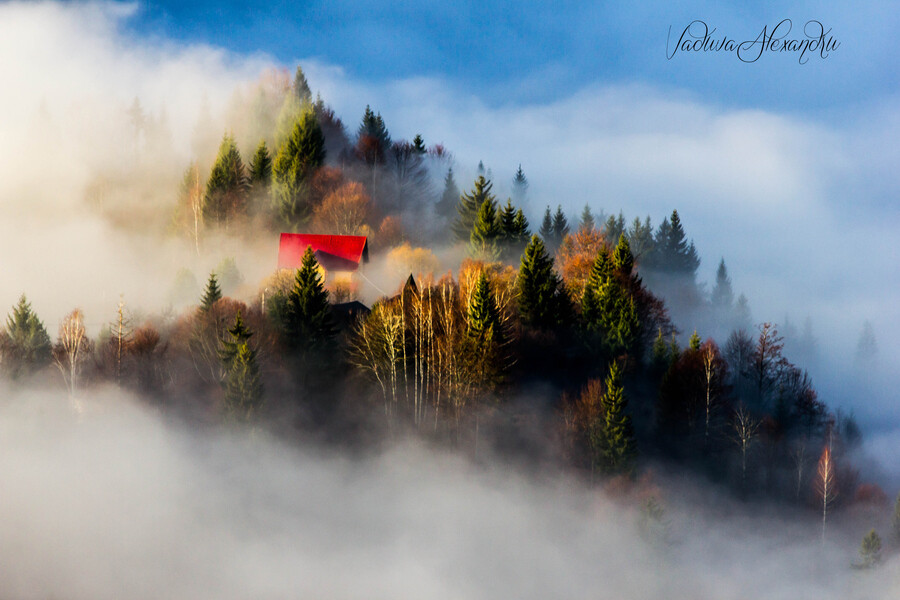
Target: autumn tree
345,211
576,256
298,158
71,349
226,189
26,346
826,484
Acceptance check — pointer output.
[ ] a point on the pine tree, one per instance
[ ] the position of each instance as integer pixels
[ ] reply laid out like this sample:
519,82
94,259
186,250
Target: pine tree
486,232
546,230
870,551
226,189
523,233
694,342
640,238
446,206
419,144
26,345
542,301
484,317
618,445
243,388
659,355
508,223
722,294
591,310
373,139
308,321
212,294
614,227
297,160
519,186
468,207
623,260
261,167
300,88
677,255
560,226
587,219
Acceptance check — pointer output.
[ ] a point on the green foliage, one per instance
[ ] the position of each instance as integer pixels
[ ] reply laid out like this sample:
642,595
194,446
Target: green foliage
308,321
300,88
373,139
484,317
546,230
560,226
212,294
469,205
615,438
640,238
694,342
622,257
419,144
243,387
672,252
26,345
659,355
301,154
869,551
226,189
542,300
519,186
608,310
261,167
614,226
486,233
722,294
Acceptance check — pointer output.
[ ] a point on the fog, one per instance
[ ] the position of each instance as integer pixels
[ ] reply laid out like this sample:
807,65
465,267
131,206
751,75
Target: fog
115,501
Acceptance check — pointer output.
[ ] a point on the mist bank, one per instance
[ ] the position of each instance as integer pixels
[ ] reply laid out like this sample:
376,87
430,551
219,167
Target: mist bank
110,499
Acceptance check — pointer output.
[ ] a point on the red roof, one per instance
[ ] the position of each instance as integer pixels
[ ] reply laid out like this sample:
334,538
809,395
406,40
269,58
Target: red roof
334,252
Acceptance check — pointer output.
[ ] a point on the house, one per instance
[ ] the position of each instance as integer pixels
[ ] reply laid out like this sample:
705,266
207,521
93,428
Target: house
336,253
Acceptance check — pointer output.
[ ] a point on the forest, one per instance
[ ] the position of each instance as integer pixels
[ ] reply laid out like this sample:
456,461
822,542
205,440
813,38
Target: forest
489,324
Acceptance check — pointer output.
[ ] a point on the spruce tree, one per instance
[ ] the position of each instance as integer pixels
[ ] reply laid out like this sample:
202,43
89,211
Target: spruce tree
469,205
226,188
722,294
243,388
523,234
587,219
27,346
623,260
300,88
542,301
484,317
519,186
659,354
640,238
694,342
870,551
446,206
308,321
212,294
261,167
508,223
419,144
373,137
619,451
483,241
560,226
680,256
591,310
297,160
546,230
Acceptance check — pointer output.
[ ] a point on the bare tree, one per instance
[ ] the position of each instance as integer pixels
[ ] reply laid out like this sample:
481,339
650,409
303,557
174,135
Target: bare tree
800,458
826,485
71,348
121,338
744,431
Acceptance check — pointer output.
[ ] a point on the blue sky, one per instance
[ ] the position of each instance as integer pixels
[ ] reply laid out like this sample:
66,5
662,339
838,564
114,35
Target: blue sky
533,53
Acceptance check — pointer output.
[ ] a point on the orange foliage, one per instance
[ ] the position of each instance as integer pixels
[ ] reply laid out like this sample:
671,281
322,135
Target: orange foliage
390,232
405,259
344,211
575,257
324,181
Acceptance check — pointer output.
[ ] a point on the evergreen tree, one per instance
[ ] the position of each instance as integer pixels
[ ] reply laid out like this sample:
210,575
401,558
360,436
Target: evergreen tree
542,300
243,388
446,206
261,167
618,445
607,308
722,294
226,189
519,186
468,207
546,230
659,355
373,139
300,88
591,310
26,344
674,253
419,144
640,238
484,317
614,227
522,230
560,226
743,318
870,551
486,232
308,321
479,172
623,261
297,160
587,219
694,342
508,222
212,294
